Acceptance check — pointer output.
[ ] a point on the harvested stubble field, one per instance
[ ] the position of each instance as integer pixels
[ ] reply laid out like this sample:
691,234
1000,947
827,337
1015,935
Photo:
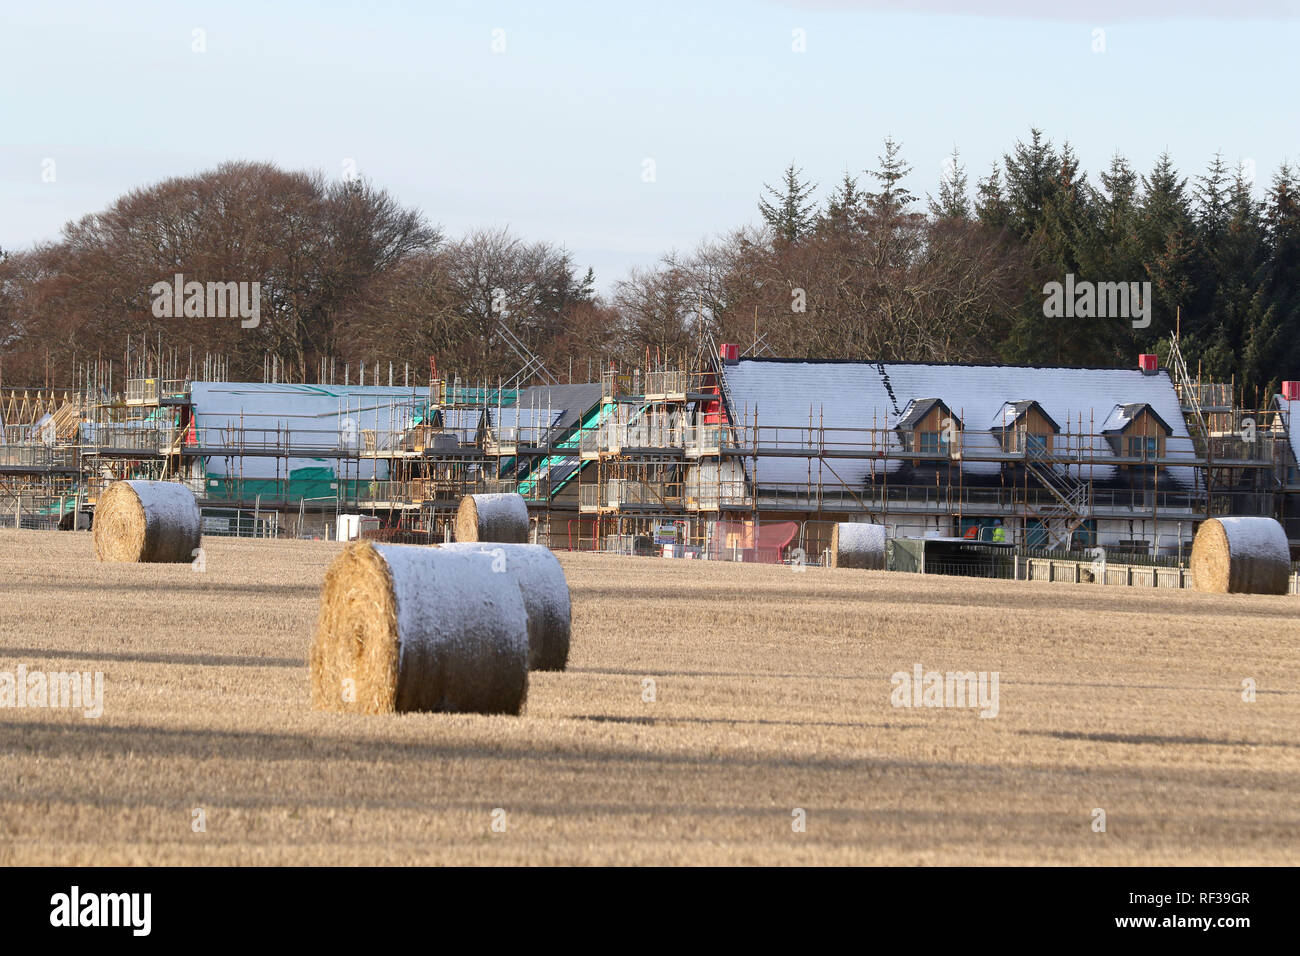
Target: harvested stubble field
772,692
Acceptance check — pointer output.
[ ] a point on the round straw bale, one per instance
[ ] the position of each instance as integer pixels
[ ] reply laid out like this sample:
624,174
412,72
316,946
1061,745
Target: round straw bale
408,628
858,545
1240,556
146,521
545,592
498,518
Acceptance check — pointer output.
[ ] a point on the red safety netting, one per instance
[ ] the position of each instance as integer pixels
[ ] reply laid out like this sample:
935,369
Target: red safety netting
751,541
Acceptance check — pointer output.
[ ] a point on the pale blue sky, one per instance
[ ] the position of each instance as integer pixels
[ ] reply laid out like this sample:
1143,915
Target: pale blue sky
549,136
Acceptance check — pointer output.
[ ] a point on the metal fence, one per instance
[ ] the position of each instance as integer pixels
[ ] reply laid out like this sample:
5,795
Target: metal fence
637,544
239,523
1137,559
30,521
37,512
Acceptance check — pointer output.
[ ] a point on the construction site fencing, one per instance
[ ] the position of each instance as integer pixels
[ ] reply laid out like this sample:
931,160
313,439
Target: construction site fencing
361,492
634,544
239,523
751,542
1137,559
41,513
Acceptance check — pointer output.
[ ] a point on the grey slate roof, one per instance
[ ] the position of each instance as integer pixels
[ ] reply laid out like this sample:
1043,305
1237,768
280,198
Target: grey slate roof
316,417
573,401
848,398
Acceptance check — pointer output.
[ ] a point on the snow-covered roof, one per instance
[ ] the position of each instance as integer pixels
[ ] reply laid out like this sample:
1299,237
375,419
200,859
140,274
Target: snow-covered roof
313,418
858,401
1119,418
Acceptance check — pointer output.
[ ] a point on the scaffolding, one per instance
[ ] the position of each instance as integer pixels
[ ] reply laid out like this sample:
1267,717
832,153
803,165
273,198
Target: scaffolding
40,465
661,456
634,483
671,449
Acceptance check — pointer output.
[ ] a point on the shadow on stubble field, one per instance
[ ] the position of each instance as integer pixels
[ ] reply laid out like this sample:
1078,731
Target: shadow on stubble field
704,705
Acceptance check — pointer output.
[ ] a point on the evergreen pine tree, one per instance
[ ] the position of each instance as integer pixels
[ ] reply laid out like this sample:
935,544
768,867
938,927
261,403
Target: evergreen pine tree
790,213
1213,193
1031,172
1281,281
1165,235
844,207
1218,337
991,201
893,199
953,202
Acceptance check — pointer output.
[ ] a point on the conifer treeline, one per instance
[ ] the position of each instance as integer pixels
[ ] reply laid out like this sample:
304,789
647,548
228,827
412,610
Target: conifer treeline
348,274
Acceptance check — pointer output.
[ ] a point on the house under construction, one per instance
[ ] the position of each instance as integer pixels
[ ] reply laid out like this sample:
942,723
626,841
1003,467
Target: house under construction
722,456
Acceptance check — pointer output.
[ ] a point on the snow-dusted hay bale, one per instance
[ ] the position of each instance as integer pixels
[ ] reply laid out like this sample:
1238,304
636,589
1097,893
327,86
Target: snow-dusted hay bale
1240,556
410,628
146,521
498,518
545,592
857,545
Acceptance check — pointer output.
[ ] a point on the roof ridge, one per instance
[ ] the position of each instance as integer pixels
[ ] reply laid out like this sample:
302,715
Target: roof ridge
876,364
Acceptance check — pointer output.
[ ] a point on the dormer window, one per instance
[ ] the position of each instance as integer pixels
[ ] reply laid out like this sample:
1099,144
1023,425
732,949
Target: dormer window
1136,431
928,427
1024,427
